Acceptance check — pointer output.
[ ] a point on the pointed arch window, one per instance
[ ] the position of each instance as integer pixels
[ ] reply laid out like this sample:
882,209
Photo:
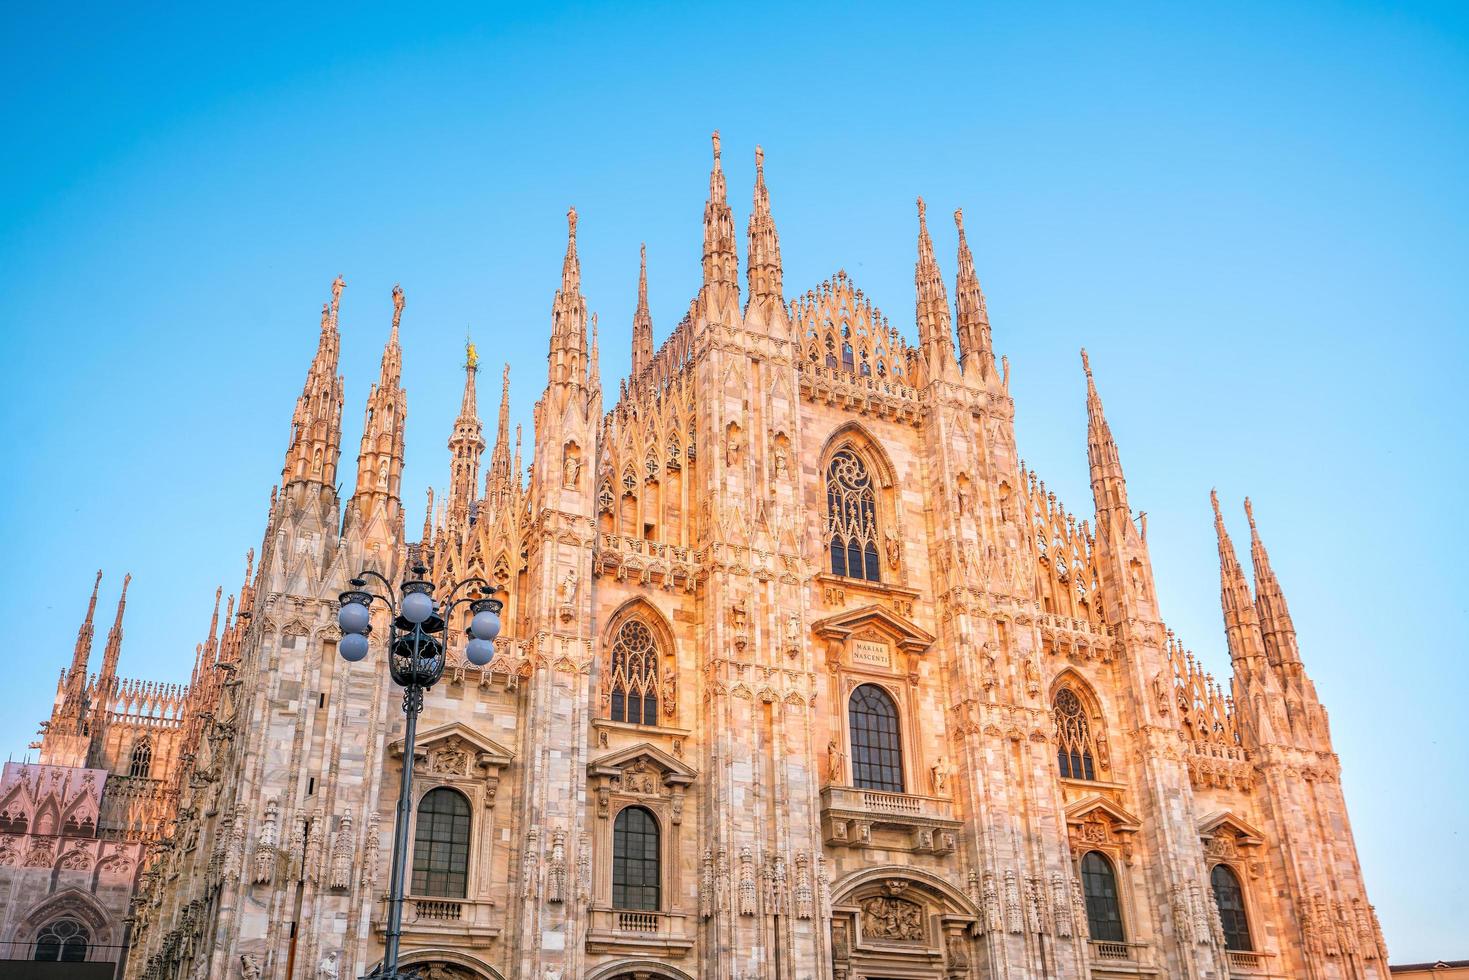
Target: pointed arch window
1230,898
851,517
877,753
636,860
441,844
1074,755
62,941
1103,910
142,760
634,675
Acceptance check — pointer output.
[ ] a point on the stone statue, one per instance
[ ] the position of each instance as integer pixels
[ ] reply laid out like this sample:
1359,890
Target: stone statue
397,304
940,772
337,286
327,968
894,550
568,587
570,471
249,966
836,762
780,461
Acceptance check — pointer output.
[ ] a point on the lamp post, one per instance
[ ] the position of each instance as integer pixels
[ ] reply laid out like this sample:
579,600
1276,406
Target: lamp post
416,662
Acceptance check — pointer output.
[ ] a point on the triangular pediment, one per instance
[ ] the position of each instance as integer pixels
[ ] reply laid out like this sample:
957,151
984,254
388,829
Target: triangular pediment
1120,818
675,771
907,634
1229,822
456,735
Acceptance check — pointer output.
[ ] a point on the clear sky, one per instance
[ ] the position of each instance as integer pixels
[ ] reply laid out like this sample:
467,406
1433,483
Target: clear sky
1254,218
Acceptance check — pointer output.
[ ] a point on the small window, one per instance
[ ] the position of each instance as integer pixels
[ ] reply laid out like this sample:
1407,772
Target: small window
635,860
877,754
142,761
441,845
1231,901
1103,911
62,941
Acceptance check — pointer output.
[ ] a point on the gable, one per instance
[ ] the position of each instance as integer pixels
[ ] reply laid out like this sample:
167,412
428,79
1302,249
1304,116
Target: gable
674,771
879,619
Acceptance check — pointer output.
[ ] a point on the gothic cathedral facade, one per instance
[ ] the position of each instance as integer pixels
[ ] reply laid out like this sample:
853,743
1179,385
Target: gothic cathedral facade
804,675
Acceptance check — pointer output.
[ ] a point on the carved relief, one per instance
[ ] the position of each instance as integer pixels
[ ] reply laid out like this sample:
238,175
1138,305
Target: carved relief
894,919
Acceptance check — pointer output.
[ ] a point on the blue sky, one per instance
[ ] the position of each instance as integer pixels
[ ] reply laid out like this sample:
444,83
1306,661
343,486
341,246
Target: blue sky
1254,217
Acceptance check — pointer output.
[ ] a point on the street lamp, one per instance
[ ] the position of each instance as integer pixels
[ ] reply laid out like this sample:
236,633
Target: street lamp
416,662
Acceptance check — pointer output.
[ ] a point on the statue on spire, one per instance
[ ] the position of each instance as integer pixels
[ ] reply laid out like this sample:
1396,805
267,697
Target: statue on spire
397,305
338,284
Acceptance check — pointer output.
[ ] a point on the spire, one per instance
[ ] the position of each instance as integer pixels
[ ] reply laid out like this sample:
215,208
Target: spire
976,348
1241,626
763,250
519,473
721,266
642,320
497,477
114,635
83,650
428,520
1275,621
465,445
380,457
316,426
935,328
594,362
569,316
1109,488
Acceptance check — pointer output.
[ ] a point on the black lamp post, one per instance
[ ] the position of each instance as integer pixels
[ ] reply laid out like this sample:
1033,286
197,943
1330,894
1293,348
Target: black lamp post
416,662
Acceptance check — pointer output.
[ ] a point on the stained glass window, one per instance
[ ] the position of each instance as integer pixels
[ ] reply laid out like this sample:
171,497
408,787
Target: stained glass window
851,517
1073,737
142,761
633,682
62,941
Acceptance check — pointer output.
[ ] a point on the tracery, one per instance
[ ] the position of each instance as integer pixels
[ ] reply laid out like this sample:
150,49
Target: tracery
1074,755
851,517
633,680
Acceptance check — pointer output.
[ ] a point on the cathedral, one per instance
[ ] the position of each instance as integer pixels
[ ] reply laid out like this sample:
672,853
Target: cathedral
803,675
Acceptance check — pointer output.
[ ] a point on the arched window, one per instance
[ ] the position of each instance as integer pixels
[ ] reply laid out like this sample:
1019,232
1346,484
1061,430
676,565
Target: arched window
877,754
1099,885
635,860
441,845
1231,901
142,763
62,941
1073,737
634,675
851,517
